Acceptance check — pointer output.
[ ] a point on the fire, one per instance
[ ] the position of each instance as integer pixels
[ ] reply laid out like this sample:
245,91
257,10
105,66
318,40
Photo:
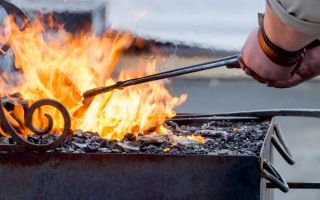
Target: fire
197,138
59,65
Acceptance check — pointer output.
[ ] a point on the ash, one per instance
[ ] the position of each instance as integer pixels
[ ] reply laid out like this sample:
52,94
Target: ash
221,138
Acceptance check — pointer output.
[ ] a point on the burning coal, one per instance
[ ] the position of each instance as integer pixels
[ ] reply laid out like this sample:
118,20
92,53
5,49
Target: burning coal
53,63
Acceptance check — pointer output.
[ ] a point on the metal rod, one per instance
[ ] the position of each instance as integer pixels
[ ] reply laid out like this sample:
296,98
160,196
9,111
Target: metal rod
260,113
297,185
281,145
271,174
227,61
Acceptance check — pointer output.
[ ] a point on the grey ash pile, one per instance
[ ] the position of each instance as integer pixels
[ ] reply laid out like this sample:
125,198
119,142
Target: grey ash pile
221,138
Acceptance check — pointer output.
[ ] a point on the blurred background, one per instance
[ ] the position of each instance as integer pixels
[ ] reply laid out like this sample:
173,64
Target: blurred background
185,32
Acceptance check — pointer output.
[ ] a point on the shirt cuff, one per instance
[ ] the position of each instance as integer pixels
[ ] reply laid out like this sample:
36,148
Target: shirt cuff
289,19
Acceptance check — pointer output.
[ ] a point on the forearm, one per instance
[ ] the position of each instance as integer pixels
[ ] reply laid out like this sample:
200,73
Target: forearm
283,35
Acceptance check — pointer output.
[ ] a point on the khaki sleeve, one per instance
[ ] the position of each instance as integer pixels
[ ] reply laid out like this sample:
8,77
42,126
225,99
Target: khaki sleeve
302,15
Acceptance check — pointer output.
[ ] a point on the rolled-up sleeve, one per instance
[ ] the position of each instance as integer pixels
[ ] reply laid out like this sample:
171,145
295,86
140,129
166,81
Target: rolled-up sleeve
302,15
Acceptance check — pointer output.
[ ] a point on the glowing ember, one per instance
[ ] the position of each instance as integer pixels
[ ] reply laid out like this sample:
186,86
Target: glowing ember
198,138
62,66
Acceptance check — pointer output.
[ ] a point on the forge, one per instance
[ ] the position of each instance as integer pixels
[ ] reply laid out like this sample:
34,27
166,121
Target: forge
69,130
233,163
205,156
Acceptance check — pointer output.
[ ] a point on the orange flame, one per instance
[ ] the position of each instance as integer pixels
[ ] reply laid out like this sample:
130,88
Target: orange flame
61,66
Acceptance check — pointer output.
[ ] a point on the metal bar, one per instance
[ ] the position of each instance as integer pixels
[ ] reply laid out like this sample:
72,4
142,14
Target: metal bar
282,151
231,60
297,185
281,145
261,113
271,174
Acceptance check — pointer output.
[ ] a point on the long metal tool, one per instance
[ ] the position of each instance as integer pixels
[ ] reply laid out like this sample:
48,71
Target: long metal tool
230,61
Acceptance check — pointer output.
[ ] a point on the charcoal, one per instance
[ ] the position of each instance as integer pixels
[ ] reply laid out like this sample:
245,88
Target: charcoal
4,140
153,139
96,139
150,149
129,137
183,141
129,146
88,135
116,150
211,133
78,133
78,151
78,140
93,147
104,150
222,137
224,152
175,128
42,139
80,145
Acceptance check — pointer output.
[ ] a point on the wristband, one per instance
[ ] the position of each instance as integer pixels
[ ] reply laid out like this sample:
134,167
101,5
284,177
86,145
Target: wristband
277,54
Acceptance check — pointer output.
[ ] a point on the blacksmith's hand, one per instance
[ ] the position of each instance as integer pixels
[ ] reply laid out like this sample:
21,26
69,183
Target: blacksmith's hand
273,51
308,69
257,64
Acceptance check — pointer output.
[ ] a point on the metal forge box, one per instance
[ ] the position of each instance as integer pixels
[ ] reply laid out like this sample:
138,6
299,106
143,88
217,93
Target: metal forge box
53,175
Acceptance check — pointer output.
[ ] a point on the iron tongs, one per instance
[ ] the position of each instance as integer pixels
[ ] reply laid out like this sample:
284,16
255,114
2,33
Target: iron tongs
230,61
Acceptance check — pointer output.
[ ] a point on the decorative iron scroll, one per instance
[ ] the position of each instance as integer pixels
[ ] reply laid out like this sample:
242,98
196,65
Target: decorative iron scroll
18,14
25,145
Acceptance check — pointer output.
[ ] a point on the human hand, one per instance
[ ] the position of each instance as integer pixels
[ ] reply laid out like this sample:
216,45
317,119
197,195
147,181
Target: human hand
308,69
257,64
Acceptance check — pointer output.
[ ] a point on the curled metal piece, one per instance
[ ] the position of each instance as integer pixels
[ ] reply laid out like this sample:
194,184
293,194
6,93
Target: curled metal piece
25,145
273,176
280,144
13,10
28,118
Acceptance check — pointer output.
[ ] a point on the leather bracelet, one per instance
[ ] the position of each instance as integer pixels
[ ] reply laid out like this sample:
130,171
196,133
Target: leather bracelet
277,54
